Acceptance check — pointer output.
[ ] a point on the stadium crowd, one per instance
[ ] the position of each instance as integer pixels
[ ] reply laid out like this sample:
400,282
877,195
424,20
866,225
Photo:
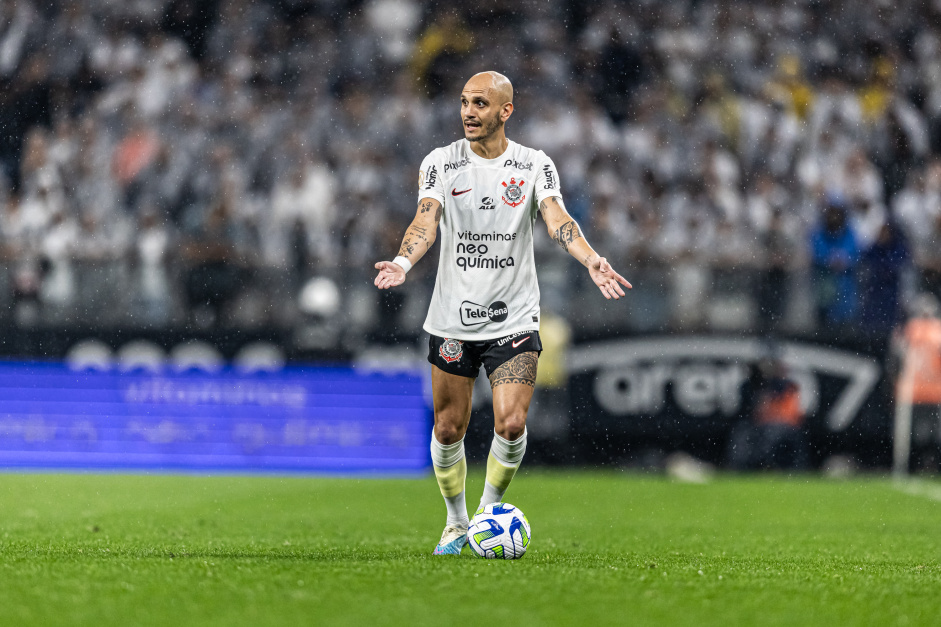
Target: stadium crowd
181,160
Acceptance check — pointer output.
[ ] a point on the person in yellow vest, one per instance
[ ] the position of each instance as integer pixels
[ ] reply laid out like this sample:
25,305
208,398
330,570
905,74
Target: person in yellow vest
918,345
790,88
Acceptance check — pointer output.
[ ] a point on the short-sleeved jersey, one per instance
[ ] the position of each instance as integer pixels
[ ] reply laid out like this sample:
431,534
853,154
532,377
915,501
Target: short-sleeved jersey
486,285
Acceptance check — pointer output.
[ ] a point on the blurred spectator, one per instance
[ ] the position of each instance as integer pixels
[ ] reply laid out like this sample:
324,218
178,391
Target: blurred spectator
190,20
57,247
440,51
779,248
882,267
215,251
900,143
24,103
917,208
835,255
790,87
621,70
153,280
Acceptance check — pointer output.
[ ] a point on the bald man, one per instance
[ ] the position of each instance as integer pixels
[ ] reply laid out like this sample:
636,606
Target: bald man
484,192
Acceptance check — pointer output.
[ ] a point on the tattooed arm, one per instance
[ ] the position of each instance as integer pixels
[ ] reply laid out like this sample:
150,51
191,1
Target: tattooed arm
564,230
419,236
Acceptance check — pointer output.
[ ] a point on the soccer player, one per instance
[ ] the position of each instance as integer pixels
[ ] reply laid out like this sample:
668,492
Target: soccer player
484,192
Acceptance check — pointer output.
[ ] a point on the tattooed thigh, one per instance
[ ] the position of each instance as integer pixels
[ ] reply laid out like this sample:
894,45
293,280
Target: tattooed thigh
520,369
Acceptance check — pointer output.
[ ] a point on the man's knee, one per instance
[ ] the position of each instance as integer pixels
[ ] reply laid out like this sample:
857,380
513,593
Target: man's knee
512,425
448,431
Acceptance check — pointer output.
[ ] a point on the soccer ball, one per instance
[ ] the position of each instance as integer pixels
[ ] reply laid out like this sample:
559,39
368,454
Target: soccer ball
499,531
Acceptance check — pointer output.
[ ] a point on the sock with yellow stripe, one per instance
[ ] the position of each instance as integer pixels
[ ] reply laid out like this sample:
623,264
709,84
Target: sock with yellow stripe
451,471
505,457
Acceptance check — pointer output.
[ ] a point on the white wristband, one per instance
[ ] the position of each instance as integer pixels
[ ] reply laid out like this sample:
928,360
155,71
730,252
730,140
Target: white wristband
403,262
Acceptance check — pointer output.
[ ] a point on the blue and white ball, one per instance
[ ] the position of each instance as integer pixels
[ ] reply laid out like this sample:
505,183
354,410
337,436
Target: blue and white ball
499,531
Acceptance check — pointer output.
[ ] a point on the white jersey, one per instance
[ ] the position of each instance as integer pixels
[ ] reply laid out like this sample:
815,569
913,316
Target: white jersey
486,286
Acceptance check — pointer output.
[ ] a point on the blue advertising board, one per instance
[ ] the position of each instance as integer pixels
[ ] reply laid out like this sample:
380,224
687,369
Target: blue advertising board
294,420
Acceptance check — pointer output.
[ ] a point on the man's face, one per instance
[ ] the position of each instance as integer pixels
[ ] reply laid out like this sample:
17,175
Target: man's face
479,112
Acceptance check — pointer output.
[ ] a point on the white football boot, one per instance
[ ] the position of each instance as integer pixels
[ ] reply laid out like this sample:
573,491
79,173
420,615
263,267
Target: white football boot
452,541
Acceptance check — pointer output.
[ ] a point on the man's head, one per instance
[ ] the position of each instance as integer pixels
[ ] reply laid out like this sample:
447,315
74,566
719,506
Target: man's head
486,104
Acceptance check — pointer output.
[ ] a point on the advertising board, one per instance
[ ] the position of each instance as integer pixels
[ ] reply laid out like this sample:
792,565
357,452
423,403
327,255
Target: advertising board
334,420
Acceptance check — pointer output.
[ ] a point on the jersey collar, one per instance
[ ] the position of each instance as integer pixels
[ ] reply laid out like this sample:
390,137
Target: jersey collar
475,158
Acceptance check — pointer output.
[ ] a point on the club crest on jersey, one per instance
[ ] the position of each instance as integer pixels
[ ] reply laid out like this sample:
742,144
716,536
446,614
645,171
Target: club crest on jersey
451,350
513,194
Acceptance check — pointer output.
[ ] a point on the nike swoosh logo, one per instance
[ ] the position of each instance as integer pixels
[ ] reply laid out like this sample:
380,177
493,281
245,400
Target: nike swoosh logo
517,343
454,191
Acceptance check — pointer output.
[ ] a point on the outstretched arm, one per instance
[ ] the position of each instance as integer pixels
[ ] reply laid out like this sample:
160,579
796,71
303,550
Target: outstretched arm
419,237
564,230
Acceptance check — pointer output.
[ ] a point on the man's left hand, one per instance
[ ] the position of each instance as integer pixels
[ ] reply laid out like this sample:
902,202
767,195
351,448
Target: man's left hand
607,280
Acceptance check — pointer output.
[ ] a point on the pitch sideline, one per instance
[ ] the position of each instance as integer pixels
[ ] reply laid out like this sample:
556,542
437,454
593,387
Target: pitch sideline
916,487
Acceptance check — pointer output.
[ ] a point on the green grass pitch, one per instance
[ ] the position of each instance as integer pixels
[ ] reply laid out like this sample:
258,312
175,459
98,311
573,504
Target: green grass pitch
608,548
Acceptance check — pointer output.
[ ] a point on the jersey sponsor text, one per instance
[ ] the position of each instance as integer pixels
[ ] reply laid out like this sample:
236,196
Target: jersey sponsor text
431,178
486,237
511,163
550,177
467,262
454,165
473,314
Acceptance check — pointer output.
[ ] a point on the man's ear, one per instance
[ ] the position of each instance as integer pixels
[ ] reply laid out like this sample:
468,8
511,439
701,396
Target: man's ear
507,111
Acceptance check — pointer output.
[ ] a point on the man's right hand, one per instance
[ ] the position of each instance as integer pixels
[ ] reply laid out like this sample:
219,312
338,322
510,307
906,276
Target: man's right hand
390,275
419,237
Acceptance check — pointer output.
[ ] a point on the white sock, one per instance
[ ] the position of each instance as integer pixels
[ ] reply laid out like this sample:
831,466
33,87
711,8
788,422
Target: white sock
451,470
457,510
491,495
504,460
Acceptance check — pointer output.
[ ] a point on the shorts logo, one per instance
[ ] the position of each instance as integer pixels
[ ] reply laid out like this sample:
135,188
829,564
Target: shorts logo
473,314
513,195
451,350
510,338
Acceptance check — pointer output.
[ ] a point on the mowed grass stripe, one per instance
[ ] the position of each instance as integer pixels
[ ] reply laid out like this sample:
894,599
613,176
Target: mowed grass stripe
608,548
